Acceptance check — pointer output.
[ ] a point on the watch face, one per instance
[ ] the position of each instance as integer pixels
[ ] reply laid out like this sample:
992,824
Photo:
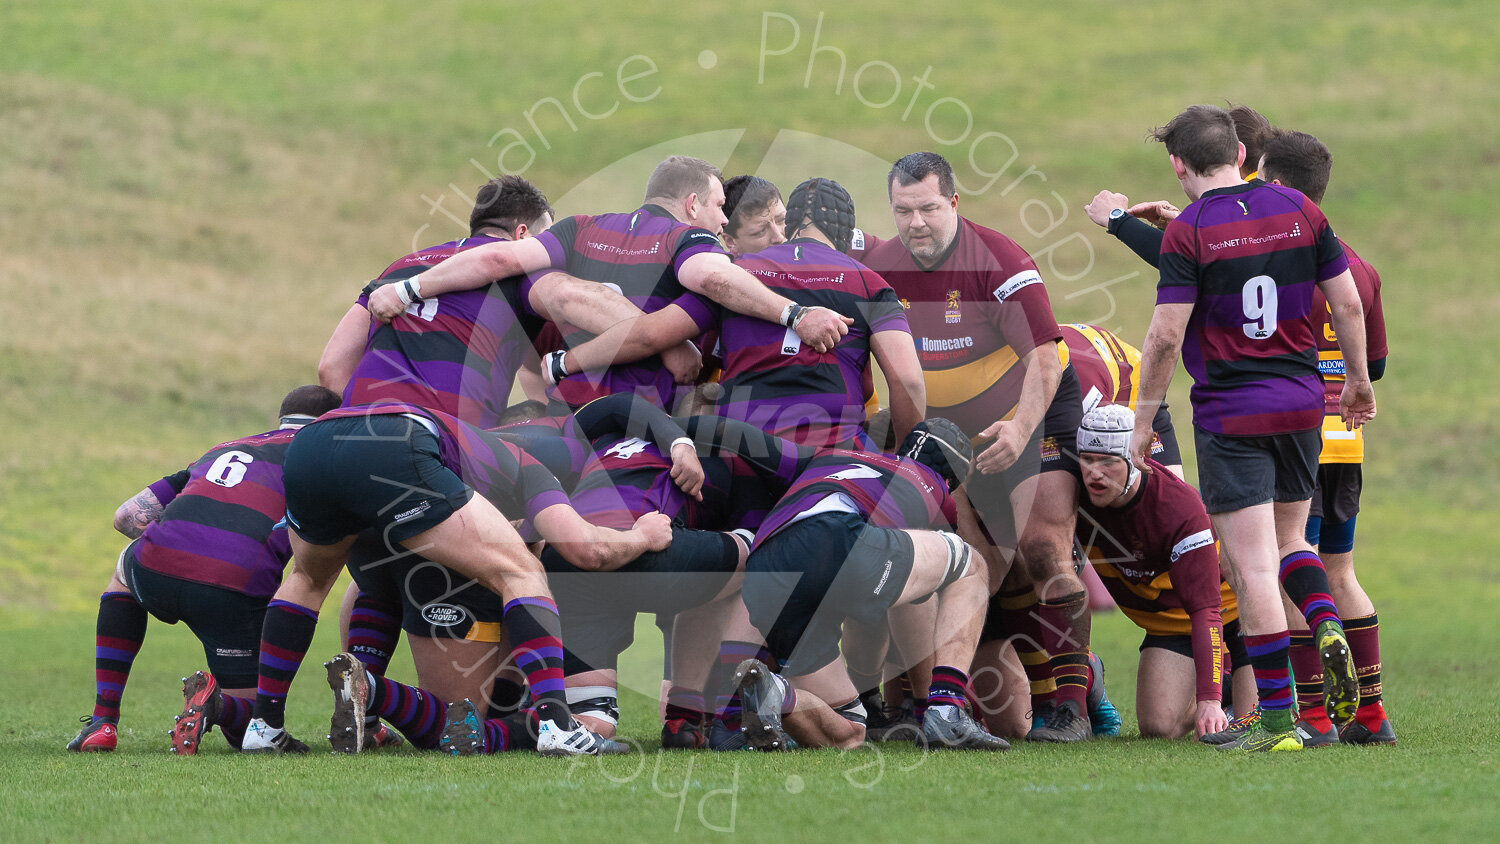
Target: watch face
1117,213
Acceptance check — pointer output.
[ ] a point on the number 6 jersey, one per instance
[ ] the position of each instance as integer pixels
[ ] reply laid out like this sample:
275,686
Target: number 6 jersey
1247,258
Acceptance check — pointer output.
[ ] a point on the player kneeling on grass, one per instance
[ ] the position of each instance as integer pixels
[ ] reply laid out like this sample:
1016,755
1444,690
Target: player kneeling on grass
856,534
1149,539
206,552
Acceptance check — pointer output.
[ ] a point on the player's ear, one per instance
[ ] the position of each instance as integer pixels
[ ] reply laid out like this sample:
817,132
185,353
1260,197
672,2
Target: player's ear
521,232
690,206
1240,159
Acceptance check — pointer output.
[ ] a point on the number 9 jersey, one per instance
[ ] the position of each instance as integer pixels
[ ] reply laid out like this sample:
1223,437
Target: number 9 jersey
1248,258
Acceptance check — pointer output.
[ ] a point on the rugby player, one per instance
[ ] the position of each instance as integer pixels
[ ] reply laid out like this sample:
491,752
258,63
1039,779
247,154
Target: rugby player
411,473
206,551
1149,537
755,216
770,378
985,338
1237,271
665,252
856,534
1301,162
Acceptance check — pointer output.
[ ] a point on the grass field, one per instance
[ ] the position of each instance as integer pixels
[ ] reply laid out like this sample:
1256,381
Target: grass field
191,194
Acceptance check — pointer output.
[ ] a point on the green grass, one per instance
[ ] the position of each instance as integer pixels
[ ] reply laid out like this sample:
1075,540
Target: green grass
191,194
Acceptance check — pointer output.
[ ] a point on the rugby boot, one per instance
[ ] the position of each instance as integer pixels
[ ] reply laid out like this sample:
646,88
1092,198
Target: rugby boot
761,695
1065,724
379,735
1313,737
200,710
1340,681
559,734
261,737
951,727
720,737
893,723
682,734
1357,733
351,694
463,731
99,735
1237,728
1258,739
1103,716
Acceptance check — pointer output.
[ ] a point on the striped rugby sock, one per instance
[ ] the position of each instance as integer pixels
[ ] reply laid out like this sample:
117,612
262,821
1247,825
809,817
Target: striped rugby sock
118,634
285,638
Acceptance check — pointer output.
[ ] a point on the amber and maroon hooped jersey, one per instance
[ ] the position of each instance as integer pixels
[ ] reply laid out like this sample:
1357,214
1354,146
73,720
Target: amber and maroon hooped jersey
972,317
1341,445
457,353
639,254
772,380
219,527
1108,368
1157,555
1248,258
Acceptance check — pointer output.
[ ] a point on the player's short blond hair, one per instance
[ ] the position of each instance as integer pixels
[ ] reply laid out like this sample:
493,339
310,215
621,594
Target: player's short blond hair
680,175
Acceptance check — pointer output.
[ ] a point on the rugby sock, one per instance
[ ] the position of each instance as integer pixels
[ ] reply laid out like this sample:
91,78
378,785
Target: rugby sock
1018,613
726,698
513,732
416,713
118,633
947,689
536,631
1364,646
506,697
374,630
684,704
1065,634
234,717
1307,670
285,638
1306,583
1273,682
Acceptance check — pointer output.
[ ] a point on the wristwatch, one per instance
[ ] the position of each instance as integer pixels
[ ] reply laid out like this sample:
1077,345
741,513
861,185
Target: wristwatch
1116,219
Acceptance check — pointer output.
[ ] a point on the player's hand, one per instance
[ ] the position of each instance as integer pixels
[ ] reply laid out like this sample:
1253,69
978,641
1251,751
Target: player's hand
1104,202
687,472
1157,213
655,529
821,328
1140,447
385,304
1005,450
683,361
1210,718
1357,403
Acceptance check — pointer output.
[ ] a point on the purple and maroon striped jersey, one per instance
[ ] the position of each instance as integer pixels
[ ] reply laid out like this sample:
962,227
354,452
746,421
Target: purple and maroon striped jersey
515,482
220,528
1248,258
772,380
457,353
629,477
639,254
973,317
890,492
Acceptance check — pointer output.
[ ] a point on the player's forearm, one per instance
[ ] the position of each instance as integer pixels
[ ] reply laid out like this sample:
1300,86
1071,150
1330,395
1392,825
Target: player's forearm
1143,239
896,355
741,292
631,415
1039,387
1158,361
586,545
628,342
134,516
345,346
471,268
1208,653
589,305
1349,326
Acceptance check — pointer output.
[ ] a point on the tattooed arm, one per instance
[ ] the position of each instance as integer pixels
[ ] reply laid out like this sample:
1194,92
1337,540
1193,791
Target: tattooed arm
135,515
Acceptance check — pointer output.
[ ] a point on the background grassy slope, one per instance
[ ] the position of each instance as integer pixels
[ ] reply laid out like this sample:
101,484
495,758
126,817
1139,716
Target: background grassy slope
191,194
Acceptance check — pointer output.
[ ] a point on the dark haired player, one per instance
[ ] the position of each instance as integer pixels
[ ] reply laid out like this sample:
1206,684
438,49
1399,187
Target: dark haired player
1149,537
411,474
754,213
985,336
1301,162
665,252
856,534
206,551
1238,268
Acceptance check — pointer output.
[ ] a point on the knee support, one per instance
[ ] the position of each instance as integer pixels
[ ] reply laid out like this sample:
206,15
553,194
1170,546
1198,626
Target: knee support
602,702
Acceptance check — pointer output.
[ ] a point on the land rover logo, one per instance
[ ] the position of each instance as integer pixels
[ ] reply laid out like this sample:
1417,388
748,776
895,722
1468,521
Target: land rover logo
444,615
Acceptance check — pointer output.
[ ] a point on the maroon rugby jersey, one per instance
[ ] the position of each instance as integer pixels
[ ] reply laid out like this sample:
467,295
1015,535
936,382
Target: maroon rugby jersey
1339,444
774,381
973,316
1248,258
457,353
219,527
1158,559
639,254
